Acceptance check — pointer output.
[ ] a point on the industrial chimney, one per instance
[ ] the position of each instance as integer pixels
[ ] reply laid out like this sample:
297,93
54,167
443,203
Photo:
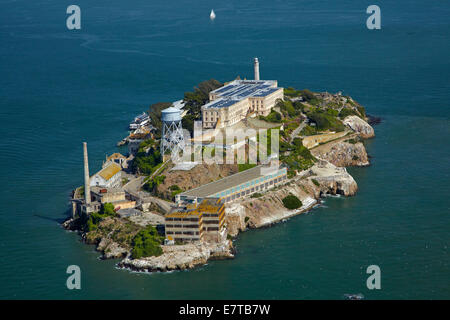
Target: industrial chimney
256,65
87,189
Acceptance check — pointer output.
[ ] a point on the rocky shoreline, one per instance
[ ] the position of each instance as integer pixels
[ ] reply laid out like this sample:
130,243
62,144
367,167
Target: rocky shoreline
328,176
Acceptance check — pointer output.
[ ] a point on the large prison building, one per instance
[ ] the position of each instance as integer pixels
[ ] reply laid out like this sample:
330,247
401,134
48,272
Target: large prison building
237,186
236,100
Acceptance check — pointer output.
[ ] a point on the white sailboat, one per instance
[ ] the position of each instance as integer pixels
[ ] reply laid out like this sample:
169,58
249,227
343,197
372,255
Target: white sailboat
212,15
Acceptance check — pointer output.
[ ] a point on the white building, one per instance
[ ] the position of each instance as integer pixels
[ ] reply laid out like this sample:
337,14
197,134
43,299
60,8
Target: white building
109,176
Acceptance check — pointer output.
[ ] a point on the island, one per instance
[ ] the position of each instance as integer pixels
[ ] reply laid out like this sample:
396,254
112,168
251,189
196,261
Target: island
157,212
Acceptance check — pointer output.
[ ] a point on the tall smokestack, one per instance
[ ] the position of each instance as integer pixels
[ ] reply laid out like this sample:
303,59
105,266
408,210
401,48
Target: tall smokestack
256,65
87,188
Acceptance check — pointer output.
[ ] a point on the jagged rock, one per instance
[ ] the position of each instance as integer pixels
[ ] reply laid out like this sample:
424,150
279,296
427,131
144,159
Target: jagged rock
361,127
269,208
342,153
198,176
333,180
235,218
180,257
111,249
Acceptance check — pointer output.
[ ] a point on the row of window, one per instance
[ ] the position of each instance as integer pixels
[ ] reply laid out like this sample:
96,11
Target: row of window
196,226
255,189
248,184
182,219
185,232
211,221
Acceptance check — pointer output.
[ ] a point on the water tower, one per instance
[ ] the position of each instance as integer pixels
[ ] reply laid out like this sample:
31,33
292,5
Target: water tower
172,138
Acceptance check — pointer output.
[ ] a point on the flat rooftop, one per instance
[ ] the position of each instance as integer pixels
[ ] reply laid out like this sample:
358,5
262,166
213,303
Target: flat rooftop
238,90
225,183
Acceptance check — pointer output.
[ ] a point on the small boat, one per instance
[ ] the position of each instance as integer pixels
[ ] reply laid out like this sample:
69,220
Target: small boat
358,296
212,15
140,121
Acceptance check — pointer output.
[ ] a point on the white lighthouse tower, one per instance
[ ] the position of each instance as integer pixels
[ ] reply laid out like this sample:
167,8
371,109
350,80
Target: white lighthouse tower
256,67
172,138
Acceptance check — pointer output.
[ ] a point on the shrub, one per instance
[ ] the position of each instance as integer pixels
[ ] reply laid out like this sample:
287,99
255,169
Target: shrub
256,195
151,184
325,121
94,218
273,117
245,166
345,112
246,219
307,95
308,131
291,202
361,110
147,243
315,182
146,162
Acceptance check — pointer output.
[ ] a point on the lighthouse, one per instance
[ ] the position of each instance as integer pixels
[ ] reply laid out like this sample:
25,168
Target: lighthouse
256,66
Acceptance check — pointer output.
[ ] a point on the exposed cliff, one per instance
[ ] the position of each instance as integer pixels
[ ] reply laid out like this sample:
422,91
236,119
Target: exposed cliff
323,178
180,257
343,153
360,126
201,174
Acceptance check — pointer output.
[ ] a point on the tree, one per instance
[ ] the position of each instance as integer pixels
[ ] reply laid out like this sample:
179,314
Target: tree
147,243
292,202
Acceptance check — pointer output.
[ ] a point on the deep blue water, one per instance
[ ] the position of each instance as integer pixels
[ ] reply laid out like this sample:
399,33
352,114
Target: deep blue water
60,87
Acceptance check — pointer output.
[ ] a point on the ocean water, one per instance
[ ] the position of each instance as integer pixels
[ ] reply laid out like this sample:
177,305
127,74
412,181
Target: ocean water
60,87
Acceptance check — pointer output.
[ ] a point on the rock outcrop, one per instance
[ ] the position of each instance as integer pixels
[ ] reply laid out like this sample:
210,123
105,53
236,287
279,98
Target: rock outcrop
322,179
198,176
360,126
343,153
111,249
180,257
333,180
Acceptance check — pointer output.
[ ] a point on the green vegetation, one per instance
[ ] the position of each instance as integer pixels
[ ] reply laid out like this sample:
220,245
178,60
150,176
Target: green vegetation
147,158
361,111
94,218
246,219
291,202
81,191
325,121
345,112
308,131
352,141
194,100
256,195
299,157
175,190
315,182
154,111
306,94
147,243
245,166
151,183
288,109
273,116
